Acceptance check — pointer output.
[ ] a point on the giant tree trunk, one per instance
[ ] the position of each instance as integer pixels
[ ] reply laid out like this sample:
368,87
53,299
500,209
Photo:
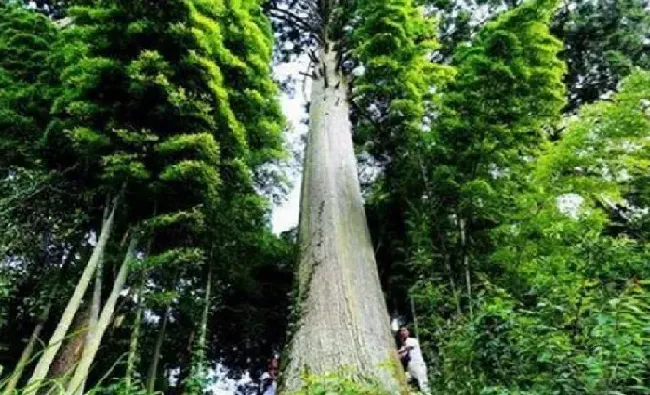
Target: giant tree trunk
95,337
344,322
43,366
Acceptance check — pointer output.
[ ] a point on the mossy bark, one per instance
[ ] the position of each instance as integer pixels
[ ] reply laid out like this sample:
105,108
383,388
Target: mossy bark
344,322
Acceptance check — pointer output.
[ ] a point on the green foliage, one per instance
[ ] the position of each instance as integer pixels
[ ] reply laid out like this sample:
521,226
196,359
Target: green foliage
603,39
516,292
508,88
174,110
565,303
604,42
395,88
397,82
26,39
489,122
605,152
177,256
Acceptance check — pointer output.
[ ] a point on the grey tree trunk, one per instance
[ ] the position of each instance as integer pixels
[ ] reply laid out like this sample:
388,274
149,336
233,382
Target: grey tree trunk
153,367
96,302
93,318
90,350
43,366
344,322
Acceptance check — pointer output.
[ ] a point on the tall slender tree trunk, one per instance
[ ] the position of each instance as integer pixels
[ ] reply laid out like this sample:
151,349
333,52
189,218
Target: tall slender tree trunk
93,317
27,353
203,334
198,358
153,366
466,264
96,302
344,321
452,283
43,366
135,337
133,358
89,352
185,362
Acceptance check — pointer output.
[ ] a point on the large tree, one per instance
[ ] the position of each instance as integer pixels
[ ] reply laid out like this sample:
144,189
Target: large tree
343,320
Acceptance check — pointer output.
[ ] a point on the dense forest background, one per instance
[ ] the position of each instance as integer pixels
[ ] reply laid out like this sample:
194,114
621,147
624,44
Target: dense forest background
504,153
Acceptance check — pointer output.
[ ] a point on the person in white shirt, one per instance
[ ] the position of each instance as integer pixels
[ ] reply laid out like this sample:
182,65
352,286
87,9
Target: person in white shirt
269,381
411,356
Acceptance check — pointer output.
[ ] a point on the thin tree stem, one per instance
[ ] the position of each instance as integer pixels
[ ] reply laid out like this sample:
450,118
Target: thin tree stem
135,336
466,263
153,367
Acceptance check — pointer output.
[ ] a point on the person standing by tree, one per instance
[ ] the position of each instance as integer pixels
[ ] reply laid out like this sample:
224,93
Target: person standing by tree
411,356
269,382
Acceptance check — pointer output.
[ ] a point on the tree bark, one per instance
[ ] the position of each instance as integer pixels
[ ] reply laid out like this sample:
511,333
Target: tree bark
153,367
344,322
43,366
27,353
89,352
64,364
